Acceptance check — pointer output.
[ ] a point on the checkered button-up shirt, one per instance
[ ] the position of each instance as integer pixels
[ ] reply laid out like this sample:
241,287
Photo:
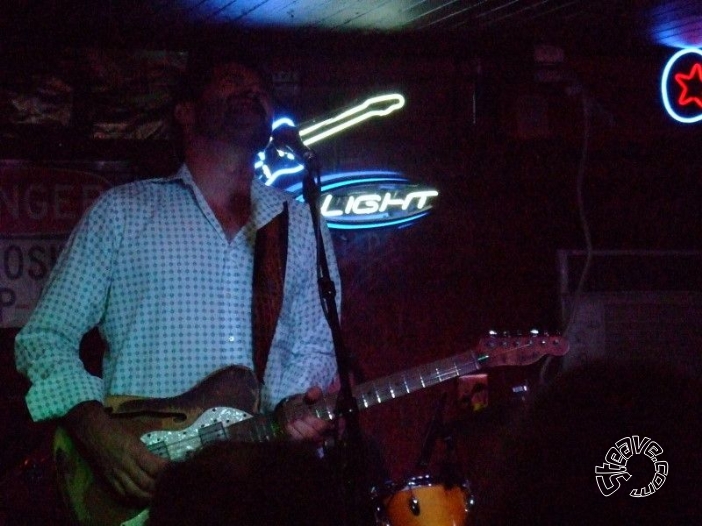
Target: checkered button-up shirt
151,266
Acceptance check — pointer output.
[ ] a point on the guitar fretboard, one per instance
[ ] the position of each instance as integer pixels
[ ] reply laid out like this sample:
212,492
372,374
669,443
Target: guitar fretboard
493,352
259,428
393,386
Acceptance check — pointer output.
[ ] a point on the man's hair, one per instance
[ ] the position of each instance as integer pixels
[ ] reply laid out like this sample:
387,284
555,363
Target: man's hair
203,61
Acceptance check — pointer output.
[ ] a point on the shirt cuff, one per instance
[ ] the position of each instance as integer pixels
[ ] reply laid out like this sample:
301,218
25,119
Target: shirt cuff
54,397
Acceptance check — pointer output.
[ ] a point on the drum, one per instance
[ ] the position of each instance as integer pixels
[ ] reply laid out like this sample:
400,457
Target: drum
424,501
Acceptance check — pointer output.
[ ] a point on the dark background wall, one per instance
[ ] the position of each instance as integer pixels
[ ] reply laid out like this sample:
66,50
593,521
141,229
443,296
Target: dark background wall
506,153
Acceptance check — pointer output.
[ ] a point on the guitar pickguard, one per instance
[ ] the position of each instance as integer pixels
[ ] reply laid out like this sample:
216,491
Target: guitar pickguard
209,427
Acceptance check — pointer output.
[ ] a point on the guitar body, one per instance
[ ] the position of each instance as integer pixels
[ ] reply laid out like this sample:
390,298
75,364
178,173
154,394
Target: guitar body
89,499
229,395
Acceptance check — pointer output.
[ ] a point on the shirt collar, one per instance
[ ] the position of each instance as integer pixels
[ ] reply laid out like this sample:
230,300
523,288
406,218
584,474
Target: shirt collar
267,201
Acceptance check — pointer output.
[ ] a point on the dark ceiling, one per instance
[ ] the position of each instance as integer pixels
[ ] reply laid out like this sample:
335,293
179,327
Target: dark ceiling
598,25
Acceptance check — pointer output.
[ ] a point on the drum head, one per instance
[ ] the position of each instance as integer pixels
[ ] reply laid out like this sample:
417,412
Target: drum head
425,501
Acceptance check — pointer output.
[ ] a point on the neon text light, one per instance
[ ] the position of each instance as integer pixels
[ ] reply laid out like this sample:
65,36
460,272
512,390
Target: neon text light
356,200
681,86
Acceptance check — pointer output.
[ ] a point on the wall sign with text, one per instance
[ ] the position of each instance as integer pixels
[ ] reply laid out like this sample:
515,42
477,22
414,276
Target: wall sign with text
39,206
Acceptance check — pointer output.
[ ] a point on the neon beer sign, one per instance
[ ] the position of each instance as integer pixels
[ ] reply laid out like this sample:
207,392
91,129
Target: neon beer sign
681,86
357,199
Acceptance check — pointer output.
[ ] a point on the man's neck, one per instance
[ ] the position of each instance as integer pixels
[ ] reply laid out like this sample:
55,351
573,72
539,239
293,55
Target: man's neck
220,171
224,175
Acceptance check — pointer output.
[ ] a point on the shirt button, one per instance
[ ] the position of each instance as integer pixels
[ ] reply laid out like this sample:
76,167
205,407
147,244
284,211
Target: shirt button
231,338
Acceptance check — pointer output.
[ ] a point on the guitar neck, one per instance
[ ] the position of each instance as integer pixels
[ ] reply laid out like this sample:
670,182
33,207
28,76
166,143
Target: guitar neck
265,428
491,352
403,383
395,385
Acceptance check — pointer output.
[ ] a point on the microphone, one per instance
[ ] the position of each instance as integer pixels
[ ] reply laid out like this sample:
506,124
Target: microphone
287,137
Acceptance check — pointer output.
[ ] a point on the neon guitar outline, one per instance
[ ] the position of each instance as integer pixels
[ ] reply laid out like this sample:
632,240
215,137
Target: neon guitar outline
318,129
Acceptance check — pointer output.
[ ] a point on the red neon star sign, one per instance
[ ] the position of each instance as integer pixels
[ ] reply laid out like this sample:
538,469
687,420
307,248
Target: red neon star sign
685,80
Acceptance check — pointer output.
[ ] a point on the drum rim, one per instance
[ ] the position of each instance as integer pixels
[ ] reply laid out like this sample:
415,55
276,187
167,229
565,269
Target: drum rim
416,481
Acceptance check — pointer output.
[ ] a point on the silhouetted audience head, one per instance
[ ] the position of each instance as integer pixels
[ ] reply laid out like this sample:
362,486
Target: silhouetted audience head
546,472
267,484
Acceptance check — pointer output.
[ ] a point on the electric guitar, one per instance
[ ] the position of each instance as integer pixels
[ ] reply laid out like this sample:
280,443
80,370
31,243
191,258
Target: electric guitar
224,407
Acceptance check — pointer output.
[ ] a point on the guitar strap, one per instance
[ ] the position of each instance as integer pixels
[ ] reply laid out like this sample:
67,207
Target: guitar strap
270,258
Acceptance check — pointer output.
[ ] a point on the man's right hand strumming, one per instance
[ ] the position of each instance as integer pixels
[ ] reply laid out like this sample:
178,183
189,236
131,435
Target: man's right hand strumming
129,467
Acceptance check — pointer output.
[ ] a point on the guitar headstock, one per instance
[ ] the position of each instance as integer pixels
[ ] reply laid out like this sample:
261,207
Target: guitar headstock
496,351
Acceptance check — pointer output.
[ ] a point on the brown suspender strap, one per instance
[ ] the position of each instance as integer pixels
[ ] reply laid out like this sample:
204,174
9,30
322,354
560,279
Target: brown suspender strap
270,258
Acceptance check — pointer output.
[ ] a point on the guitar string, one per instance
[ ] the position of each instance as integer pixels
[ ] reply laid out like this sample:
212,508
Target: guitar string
186,445
434,376
266,431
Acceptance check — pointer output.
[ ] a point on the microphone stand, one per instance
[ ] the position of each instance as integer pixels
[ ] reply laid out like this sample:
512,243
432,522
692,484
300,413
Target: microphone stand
435,429
358,508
